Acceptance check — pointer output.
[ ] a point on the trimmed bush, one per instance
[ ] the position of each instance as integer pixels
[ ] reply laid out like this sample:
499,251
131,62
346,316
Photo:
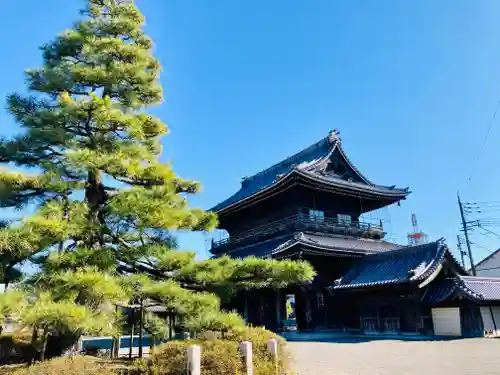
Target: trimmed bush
218,356
77,365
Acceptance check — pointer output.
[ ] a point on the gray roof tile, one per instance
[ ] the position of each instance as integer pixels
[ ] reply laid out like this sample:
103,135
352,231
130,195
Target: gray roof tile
337,244
480,288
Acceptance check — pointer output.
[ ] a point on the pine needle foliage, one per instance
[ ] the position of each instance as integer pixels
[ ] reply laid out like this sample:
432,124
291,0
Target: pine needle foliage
105,203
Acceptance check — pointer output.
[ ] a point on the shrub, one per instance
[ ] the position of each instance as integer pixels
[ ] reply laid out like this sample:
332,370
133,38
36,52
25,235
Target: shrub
218,356
77,365
259,337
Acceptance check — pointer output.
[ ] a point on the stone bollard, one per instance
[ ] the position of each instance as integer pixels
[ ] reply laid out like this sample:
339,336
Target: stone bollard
246,351
194,360
272,347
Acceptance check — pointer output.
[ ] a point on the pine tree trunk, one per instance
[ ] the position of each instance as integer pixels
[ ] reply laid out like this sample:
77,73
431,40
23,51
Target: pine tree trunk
44,346
170,322
95,195
34,338
131,337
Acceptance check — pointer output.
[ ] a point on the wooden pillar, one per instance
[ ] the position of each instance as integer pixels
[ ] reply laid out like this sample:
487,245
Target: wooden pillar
307,308
245,306
262,309
419,322
278,310
141,326
170,325
492,317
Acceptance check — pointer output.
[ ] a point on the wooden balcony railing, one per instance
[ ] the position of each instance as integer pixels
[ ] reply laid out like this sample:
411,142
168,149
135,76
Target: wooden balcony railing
303,222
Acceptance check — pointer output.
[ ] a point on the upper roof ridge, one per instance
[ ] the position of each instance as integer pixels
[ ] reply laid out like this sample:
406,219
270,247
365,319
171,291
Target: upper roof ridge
327,143
318,163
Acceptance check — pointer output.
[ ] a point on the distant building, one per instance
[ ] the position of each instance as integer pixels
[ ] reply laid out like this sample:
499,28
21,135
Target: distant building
489,266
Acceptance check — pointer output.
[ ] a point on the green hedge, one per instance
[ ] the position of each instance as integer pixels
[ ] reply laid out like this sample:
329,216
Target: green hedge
219,356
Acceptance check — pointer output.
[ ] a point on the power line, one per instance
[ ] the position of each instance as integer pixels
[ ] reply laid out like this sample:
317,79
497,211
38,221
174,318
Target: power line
481,246
489,231
486,137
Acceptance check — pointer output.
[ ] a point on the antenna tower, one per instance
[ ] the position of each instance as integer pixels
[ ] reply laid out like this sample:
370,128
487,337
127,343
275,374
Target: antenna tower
417,237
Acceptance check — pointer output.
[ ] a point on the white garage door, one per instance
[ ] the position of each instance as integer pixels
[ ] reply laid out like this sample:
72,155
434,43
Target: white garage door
446,321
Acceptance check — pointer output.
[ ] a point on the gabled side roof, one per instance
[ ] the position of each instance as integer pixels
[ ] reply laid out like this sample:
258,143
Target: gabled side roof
324,162
477,289
414,264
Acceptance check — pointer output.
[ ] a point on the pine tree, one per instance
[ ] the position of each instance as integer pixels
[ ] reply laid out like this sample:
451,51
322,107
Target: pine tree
106,205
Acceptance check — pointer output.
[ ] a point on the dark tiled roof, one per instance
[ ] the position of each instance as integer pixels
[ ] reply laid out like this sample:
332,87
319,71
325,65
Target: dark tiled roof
326,243
407,264
439,291
309,163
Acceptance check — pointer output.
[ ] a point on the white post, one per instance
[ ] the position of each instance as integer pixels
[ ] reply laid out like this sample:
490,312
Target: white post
194,360
79,345
272,347
246,351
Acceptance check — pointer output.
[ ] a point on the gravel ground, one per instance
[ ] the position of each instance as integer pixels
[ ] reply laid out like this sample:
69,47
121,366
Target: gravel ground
391,357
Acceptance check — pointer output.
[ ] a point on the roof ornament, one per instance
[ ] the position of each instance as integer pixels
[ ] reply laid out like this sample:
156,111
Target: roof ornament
334,136
245,181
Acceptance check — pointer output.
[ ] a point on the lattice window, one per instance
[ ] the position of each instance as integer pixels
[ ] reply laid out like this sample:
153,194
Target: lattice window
344,219
316,215
320,299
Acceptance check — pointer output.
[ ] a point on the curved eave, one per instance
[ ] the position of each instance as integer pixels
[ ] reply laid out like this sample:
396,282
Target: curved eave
345,187
379,191
301,242
422,278
348,161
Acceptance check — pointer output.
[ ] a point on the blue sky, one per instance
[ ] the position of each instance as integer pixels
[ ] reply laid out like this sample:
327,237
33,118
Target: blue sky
412,86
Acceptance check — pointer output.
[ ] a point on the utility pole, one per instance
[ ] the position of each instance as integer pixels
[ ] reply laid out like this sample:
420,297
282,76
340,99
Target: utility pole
459,245
467,242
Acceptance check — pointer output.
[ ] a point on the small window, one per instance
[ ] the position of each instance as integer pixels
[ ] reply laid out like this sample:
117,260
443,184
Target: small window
317,215
320,299
344,219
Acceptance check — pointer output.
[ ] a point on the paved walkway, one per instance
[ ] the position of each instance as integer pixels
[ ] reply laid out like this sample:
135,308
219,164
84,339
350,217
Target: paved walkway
393,357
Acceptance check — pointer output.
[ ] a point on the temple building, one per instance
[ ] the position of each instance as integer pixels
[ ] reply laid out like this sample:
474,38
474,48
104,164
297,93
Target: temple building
308,207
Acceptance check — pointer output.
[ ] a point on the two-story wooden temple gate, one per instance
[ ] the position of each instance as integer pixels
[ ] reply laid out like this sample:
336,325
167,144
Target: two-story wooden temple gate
308,207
